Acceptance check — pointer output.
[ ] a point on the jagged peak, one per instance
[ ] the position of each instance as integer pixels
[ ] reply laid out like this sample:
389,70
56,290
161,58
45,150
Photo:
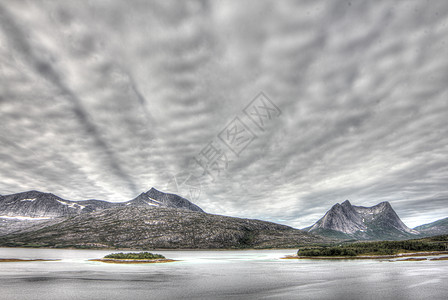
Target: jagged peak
336,206
346,203
335,209
153,189
384,204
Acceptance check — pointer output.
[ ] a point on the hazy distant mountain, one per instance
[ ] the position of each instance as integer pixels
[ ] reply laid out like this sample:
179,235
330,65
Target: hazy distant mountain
151,227
34,204
366,223
435,228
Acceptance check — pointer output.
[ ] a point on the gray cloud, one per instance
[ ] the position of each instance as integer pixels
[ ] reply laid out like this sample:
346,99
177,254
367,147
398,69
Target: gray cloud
45,69
109,98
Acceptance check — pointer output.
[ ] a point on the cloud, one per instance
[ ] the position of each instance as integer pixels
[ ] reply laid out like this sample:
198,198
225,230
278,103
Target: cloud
106,99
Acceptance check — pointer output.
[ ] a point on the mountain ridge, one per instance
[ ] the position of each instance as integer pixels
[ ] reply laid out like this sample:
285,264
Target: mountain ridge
434,228
36,204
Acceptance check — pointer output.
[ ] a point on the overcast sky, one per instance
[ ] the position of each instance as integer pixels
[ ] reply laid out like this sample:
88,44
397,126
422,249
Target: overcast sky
106,99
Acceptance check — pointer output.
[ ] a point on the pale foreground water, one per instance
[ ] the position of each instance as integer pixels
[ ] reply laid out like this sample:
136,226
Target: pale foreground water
252,274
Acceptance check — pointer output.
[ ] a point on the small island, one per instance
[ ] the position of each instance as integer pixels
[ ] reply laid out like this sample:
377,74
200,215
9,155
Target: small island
134,258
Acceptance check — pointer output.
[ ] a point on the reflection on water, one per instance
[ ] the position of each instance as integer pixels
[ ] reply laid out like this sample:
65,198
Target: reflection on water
216,275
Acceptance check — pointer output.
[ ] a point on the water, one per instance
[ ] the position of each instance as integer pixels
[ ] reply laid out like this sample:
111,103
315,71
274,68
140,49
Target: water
254,274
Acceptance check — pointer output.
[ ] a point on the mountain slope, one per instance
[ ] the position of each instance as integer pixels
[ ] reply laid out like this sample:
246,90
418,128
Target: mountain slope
150,227
435,228
365,223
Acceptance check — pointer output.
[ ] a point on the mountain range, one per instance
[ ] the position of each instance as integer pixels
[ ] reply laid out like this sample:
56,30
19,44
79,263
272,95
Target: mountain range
155,219
152,220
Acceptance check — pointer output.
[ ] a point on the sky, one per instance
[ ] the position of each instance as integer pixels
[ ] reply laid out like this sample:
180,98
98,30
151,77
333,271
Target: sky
274,110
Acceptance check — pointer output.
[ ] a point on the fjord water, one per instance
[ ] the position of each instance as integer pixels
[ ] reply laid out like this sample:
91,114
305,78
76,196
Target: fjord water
251,274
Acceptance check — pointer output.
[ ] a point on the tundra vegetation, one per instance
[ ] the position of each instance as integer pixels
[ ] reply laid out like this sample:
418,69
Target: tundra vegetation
377,248
137,255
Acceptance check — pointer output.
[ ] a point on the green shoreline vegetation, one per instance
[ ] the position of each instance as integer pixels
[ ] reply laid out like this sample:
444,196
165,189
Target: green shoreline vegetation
138,255
379,248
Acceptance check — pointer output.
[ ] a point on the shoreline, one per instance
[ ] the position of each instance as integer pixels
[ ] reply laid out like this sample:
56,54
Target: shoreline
400,255
24,260
155,249
133,261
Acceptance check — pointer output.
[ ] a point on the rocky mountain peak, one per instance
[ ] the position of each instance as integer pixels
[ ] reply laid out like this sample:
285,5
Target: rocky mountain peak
153,190
385,205
346,203
171,200
379,221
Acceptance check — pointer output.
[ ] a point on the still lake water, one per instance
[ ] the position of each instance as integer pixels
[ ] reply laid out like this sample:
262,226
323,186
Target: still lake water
252,274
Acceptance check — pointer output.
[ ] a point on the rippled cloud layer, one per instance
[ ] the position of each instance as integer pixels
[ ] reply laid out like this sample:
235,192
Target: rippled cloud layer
106,99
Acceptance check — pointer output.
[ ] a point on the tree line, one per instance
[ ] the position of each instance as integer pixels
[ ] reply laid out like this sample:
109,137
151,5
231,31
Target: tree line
373,248
139,255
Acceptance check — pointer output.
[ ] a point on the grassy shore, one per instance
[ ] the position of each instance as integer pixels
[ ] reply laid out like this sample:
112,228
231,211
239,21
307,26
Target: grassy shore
377,248
399,255
134,258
